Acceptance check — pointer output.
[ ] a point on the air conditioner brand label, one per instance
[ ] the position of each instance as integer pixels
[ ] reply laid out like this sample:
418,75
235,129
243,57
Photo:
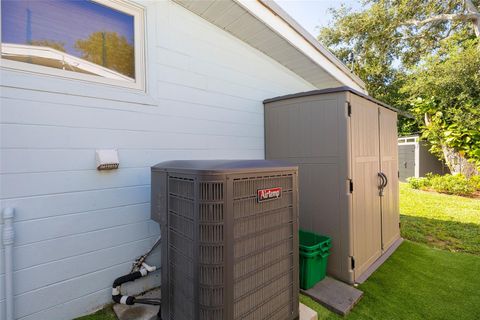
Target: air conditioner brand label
268,194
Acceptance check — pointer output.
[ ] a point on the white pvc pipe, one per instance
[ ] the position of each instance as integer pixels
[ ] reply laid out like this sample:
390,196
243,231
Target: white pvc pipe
8,239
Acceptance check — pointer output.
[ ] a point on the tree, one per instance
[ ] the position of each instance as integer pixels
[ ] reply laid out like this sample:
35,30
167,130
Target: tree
392,44
109,50
60,46
445,94
459,11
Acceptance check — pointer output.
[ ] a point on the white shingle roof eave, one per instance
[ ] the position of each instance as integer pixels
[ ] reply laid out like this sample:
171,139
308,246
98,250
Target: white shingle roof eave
272,5
263,25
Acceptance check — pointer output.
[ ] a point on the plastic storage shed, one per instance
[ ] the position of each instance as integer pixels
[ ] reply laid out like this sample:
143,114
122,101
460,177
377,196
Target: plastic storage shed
414,159
229,239
342,141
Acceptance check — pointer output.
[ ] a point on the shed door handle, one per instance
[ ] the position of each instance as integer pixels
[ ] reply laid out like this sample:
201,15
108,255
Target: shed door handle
382,180
383,184
386,179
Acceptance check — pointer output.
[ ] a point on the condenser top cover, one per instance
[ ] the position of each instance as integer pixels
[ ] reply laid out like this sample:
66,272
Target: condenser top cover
222,166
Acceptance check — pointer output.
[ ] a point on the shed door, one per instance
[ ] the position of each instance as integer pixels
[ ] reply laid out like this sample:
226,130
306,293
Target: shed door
366,213
406,157
389,166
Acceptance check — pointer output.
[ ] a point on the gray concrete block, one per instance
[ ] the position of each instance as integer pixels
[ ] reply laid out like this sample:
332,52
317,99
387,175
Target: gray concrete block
334,295
139,311
306,313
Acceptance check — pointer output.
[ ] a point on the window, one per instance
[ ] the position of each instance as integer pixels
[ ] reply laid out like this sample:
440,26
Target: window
99,40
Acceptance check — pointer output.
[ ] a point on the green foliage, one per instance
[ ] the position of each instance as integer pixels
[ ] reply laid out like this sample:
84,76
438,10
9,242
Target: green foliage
419,183
407,126
110,50
362,41
380,39
427,68
453,184
475,180
446,90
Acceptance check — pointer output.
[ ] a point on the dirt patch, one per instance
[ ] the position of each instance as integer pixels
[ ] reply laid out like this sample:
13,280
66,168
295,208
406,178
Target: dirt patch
438,242
475,195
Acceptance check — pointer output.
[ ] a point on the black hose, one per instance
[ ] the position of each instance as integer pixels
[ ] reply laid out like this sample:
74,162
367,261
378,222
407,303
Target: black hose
127,278
143,270
153,302
117,296
128,300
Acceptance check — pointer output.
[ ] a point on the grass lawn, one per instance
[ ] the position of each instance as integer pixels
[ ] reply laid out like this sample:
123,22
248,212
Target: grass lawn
104,314
440,220
436,275
418,282
421,282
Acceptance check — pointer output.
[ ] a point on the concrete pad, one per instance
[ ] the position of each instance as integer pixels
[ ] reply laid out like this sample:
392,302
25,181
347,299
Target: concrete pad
334,295
379,261
139,311
147,312
306,313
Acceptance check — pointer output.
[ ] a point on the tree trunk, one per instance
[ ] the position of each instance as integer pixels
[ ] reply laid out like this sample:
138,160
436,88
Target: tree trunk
476,21
457,163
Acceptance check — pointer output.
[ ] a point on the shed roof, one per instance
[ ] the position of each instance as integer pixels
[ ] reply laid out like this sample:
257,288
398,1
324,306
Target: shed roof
334,90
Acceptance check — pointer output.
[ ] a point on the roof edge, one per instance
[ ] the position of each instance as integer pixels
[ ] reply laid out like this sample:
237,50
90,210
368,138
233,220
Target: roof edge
281,13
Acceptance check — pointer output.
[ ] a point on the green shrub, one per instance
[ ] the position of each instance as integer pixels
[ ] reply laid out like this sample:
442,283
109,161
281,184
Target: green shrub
476,182
419,183
453,184
450,184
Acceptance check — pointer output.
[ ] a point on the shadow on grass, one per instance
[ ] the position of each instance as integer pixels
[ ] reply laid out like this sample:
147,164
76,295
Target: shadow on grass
448,235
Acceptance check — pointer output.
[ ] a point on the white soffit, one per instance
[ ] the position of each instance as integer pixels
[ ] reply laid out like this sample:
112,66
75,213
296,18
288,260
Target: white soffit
266,27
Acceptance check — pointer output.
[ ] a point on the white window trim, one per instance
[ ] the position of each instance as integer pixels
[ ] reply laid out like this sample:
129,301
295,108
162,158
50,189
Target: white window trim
138,12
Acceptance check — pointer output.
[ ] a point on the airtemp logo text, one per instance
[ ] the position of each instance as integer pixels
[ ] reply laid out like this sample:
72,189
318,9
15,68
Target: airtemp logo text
269,194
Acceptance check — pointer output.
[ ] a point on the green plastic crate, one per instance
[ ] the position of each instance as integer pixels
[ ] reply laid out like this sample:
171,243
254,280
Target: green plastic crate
314,252
310,242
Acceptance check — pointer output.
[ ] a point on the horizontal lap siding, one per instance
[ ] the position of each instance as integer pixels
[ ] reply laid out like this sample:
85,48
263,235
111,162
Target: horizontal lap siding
77,228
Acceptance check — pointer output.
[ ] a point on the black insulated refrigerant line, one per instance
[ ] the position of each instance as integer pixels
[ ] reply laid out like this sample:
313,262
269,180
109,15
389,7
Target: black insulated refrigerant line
140,269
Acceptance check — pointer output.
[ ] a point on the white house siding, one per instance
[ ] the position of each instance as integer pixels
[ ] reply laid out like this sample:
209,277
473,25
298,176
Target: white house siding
76,228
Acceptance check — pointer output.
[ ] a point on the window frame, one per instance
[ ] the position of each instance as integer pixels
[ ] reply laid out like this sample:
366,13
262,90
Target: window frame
128,7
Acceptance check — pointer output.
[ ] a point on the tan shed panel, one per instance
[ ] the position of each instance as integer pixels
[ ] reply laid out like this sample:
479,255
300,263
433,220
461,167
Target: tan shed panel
365,157
340,140
389,166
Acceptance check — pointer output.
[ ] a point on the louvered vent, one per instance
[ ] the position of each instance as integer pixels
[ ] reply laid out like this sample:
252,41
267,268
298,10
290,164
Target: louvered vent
181,246
263,242
212,247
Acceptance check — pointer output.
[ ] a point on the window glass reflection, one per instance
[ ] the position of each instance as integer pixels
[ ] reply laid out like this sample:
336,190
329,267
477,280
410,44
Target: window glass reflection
75,35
